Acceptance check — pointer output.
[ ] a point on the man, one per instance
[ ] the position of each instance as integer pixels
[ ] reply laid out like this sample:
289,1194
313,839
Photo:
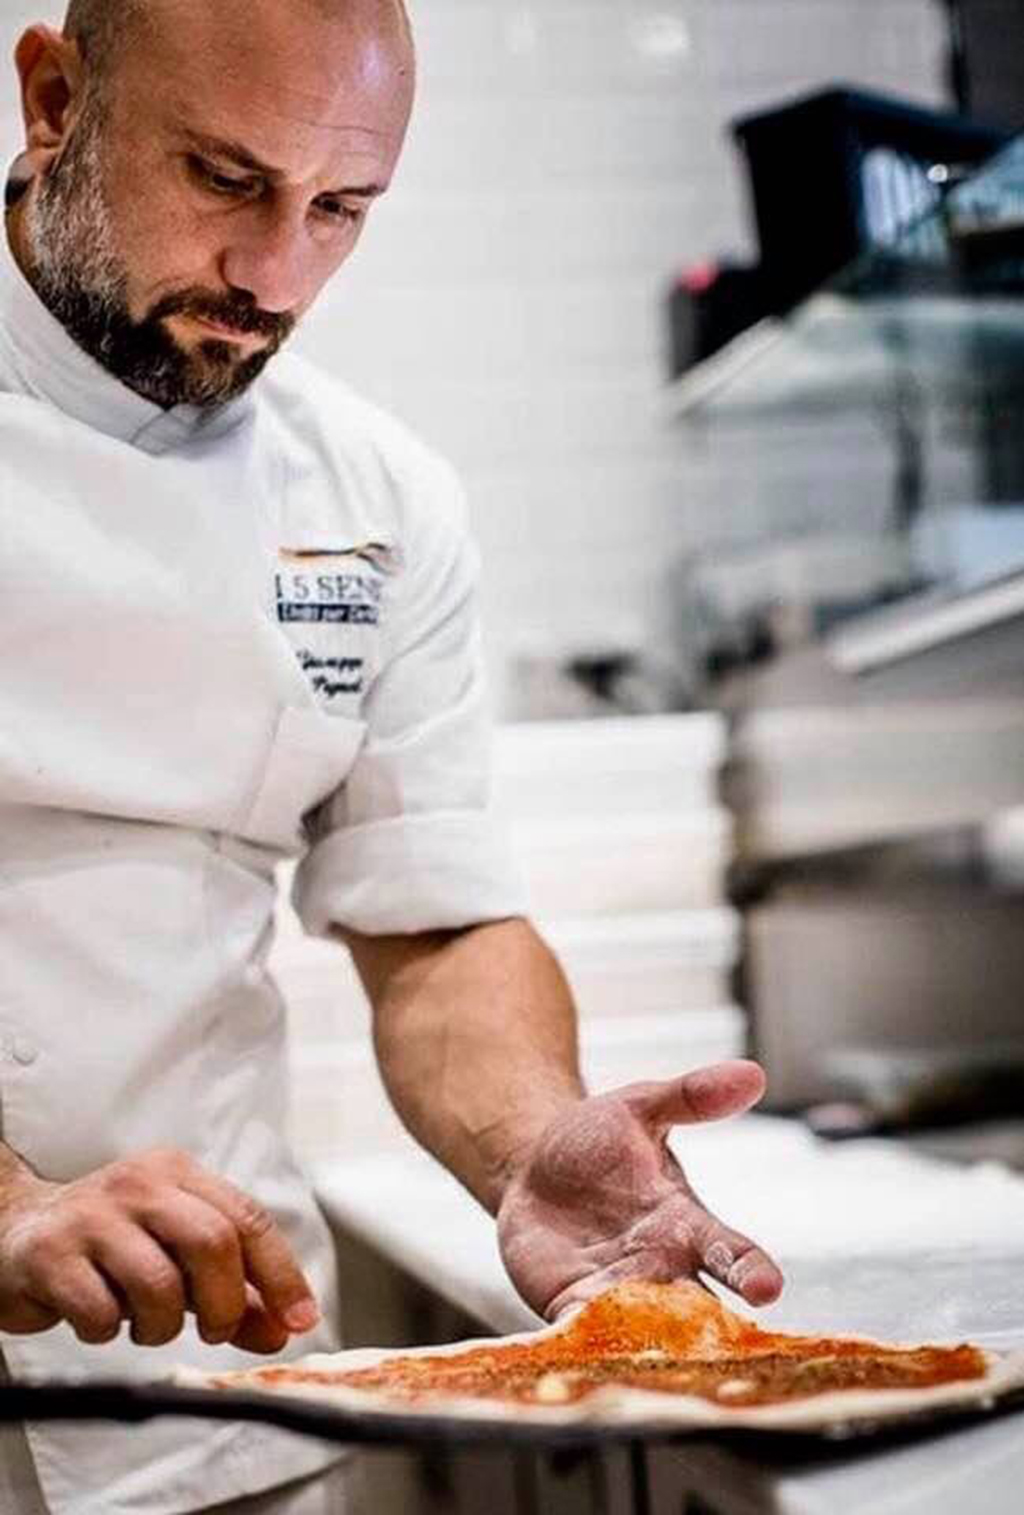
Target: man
239,625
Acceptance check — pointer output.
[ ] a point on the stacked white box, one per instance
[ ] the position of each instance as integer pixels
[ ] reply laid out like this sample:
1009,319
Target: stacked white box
340,1107
659,1046
616,863
637,765
646,963
616,815
624,846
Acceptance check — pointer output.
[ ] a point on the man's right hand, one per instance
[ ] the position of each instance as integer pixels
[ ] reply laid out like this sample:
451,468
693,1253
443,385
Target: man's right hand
147,1239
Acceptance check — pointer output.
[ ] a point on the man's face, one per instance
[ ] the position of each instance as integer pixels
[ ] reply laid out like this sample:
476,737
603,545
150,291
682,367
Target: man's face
201,202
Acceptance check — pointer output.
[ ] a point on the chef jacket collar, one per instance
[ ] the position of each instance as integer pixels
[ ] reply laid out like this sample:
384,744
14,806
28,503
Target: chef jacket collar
54,368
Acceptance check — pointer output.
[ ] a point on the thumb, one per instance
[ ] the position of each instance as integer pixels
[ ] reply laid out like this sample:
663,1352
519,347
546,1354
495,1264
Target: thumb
707,1094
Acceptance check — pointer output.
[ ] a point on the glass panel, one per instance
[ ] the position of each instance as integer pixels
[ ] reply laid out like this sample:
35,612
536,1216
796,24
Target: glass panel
922,342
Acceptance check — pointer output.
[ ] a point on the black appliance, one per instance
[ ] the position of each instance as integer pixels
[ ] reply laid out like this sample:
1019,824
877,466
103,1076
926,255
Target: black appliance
840,173
987,59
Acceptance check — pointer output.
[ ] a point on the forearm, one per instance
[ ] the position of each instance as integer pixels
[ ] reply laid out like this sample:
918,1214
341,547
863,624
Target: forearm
475,1034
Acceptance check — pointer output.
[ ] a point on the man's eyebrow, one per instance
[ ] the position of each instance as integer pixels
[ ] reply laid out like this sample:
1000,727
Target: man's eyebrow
236,153
231,152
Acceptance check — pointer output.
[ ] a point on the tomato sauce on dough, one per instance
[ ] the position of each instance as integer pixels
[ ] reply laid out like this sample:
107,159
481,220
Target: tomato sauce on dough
660,1338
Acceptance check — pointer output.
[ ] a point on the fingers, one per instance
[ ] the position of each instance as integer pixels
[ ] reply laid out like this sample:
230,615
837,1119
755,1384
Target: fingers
739,1264
207,1248
707,1094
26,1317
79,1294
269,1262
209,1252
149,1281
729,1258
150,1238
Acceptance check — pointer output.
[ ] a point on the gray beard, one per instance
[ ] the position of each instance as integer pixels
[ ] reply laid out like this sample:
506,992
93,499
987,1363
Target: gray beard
76,272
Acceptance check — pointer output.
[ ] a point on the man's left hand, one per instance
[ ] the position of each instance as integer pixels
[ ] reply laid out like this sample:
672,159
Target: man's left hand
600,1198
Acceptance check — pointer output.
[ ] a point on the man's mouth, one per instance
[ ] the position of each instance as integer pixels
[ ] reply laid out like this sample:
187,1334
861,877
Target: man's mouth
227,333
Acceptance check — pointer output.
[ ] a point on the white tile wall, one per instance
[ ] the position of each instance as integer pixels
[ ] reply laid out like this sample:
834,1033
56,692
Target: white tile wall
567,157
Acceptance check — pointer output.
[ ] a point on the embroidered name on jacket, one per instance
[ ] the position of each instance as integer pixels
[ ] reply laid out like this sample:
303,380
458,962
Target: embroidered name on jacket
331,677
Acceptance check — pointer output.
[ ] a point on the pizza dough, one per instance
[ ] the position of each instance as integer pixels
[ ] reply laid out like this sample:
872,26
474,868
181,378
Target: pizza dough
660,1355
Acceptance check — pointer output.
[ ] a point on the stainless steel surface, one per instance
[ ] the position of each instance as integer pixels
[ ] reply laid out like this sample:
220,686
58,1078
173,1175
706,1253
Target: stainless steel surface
949,1295
925,1296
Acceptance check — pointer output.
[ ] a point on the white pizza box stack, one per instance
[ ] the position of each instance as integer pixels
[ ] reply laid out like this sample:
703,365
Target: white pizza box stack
619,967
651,992
658,1046
340,1111
611,816
624,844
646,963
662,764
624,847
616,863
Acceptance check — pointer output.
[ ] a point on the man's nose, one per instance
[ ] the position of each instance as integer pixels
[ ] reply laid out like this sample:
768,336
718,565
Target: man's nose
270,258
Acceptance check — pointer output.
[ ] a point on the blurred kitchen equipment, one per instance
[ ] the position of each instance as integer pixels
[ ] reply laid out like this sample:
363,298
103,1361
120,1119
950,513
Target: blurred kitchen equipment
987,58
867,167
896,1089
889,993
708,305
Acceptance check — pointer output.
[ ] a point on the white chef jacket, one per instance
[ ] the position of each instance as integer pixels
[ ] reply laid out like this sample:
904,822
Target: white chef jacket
225,640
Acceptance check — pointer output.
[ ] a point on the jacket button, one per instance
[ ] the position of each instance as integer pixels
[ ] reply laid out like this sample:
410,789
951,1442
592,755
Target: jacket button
23,1051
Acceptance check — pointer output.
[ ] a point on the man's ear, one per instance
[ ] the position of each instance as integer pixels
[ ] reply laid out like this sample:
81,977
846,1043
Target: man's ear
50,69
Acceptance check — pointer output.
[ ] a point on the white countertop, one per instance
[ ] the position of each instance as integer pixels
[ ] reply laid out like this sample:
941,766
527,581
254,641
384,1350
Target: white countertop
871,1238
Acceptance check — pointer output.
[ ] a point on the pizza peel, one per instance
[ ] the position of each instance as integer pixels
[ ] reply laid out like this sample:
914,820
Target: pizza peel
134,1403
327,1396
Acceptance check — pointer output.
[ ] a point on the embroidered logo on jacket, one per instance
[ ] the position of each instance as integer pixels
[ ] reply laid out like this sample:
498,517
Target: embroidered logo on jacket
315,593
324,590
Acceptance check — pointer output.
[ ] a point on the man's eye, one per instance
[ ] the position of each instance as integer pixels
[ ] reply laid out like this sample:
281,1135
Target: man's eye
220,183
337,210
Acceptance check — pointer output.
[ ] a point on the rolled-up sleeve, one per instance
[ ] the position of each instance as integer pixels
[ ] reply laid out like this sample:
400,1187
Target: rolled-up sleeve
410,842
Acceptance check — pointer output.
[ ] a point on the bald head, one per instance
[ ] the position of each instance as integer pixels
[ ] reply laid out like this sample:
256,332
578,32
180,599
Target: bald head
103,29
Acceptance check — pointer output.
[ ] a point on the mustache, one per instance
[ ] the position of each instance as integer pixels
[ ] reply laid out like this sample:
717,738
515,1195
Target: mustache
237,311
